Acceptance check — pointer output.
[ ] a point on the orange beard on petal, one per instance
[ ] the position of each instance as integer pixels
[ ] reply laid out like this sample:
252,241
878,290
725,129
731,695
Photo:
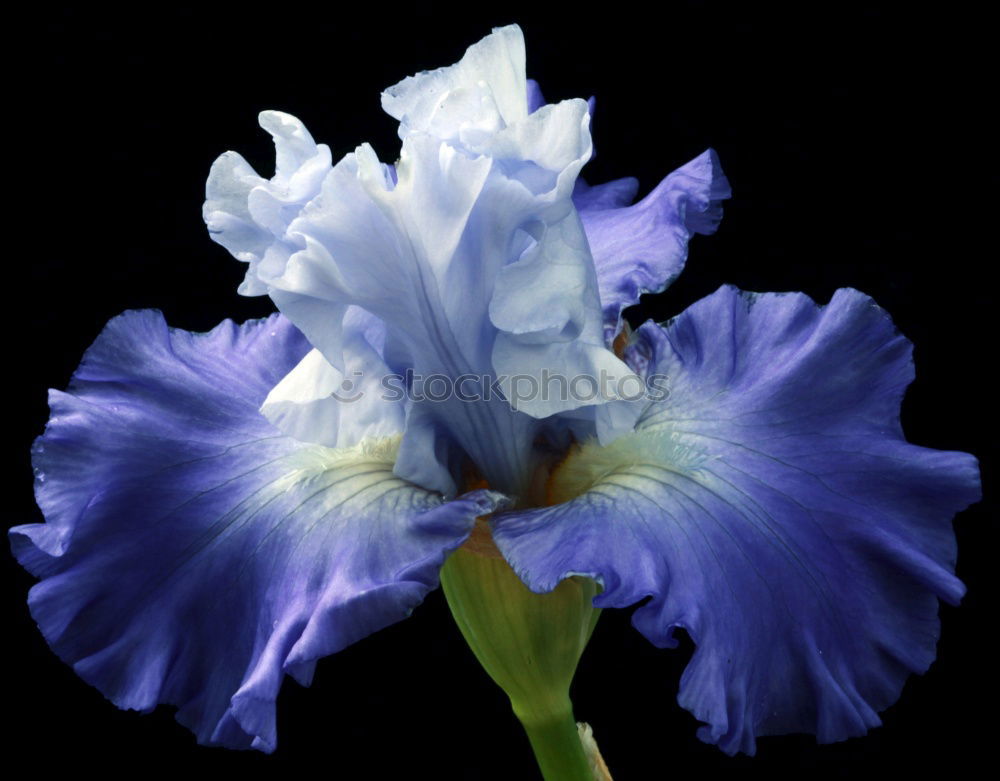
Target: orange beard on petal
480,541
541,493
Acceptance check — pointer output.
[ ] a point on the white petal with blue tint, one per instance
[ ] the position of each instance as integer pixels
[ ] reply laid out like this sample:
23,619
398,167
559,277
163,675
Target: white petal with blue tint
316,402
487,87
248,214
469,250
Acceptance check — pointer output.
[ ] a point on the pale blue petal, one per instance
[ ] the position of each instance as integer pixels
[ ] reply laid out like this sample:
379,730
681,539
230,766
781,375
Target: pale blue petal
487,88
469,250
247,214
316,402
444,257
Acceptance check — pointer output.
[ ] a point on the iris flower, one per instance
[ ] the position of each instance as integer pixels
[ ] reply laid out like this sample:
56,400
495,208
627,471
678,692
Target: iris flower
223,509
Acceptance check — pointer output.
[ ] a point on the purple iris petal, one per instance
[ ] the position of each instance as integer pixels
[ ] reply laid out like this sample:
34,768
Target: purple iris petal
535,97
615,194
642,248
772,508
193,554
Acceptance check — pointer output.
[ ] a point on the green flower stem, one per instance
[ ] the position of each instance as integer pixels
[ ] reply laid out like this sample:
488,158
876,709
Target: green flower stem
556,743
529,644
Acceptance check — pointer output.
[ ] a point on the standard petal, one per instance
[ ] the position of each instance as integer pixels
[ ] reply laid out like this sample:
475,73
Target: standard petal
770,507
491,71
444,257
316,402
642,248
192,554
247,214
469,250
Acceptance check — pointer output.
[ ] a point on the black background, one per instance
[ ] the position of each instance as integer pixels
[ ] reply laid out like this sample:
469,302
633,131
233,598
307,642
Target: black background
856,144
